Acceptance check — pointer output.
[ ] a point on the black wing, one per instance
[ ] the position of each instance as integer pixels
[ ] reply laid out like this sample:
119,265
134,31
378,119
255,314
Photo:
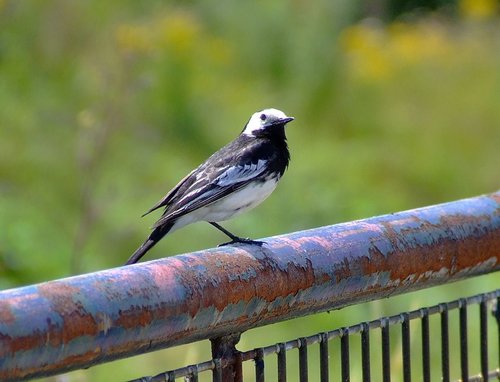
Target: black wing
207,190
228,170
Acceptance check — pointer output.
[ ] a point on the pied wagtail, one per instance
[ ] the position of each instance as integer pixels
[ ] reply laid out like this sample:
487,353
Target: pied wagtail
235,179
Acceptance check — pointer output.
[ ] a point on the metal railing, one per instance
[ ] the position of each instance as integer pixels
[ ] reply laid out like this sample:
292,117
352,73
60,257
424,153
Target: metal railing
217,294
492,299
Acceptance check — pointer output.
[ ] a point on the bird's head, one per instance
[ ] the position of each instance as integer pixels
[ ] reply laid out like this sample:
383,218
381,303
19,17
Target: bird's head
266,122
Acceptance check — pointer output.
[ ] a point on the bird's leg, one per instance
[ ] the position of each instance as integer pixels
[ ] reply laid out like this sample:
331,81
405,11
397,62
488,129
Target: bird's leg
234,238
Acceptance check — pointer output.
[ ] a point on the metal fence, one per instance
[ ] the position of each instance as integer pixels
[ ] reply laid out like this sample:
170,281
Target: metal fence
217,294
486,302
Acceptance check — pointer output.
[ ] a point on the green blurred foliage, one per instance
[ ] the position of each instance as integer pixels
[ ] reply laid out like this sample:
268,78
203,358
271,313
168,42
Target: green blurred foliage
106,105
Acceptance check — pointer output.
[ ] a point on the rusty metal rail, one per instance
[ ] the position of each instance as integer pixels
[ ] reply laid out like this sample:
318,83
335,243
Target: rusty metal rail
78,322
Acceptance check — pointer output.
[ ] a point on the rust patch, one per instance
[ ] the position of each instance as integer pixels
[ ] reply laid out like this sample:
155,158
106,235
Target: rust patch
134,317
222,267
6,315
421,261
77,321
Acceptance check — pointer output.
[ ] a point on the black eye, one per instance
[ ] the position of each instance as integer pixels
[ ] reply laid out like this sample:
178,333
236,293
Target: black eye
263,117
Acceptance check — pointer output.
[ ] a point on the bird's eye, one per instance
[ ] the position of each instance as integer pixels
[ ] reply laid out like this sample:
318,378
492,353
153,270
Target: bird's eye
263,117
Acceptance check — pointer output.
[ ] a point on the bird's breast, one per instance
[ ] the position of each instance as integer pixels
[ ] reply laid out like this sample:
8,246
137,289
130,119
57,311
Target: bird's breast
239,201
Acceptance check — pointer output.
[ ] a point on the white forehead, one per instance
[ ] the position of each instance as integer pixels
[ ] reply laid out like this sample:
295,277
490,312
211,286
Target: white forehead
257,122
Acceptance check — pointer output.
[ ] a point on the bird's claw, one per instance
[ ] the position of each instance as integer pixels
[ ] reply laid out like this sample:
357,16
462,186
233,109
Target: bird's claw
243,241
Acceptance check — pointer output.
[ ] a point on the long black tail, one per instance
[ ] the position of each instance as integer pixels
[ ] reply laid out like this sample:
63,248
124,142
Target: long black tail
154,238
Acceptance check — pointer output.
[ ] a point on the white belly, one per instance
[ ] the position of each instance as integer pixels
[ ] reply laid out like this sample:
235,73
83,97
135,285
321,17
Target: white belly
229,206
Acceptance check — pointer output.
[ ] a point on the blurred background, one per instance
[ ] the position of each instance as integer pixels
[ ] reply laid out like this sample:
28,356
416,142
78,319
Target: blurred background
106,105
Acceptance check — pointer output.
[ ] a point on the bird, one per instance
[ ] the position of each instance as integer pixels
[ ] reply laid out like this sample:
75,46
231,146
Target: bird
231,181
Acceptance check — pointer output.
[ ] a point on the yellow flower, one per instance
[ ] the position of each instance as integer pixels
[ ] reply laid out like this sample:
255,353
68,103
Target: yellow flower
179,32
478,9
365,48
375,52
416,43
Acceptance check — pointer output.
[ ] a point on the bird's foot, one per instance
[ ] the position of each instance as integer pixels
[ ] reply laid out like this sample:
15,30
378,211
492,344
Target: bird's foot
242,240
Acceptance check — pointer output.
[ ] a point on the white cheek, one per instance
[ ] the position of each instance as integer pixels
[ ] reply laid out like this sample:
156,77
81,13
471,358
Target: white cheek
252,127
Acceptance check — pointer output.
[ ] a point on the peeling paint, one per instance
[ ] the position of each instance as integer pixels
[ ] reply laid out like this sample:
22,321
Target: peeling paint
84,320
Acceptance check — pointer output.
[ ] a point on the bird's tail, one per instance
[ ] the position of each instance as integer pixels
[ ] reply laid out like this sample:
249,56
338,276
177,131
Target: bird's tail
154,238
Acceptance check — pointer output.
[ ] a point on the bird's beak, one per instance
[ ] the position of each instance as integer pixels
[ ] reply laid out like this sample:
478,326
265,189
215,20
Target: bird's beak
284,121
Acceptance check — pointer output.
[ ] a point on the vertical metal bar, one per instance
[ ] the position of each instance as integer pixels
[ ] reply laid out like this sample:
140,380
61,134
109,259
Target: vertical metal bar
281,362
217,372
171,376
426,352
238,368
323,358
496,314
344,355
303,372
365,352
193,376
386,351
483,322
445,344
464,361
224,348
259,366
405,337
